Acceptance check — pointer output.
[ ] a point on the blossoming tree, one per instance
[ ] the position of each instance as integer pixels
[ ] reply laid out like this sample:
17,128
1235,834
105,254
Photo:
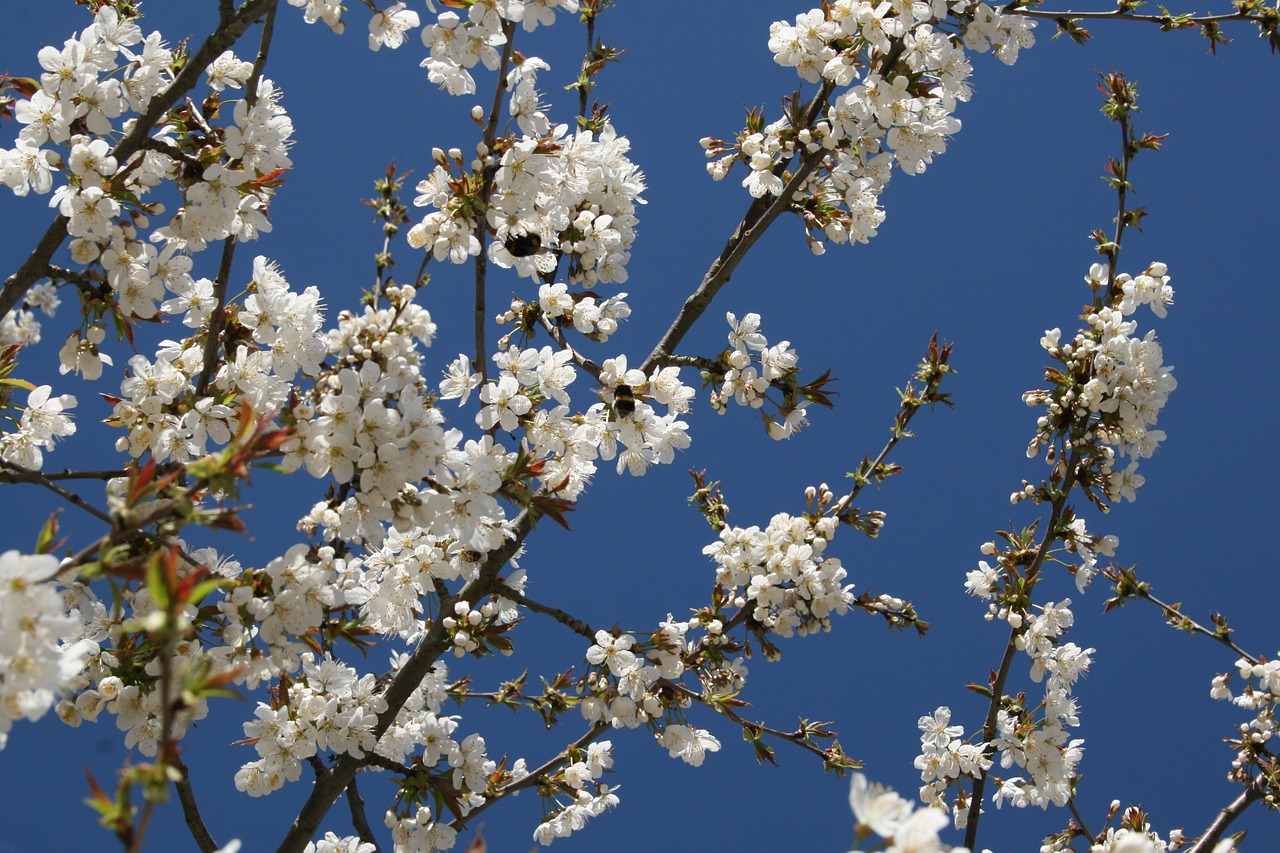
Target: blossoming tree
359,631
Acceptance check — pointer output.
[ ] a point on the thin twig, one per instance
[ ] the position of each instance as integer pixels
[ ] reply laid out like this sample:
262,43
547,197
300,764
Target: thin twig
1180,620
575,624
18,474
1123,15
216,317
535,776
557,335
1075,812
989,726
260,61
482,224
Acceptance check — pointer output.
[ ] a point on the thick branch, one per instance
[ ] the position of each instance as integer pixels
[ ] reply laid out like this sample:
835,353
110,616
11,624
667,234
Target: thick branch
1227,816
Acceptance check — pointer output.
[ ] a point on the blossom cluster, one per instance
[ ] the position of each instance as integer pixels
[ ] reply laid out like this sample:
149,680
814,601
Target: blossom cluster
329,707
161,404
590,797
90,83
20,326
752,368
41,650
594,318
1112,386
1104,401
553,196
44,420
398,575
457,45
1035,738
1042,744
1259,695
899,76
622,694
782,574
892,817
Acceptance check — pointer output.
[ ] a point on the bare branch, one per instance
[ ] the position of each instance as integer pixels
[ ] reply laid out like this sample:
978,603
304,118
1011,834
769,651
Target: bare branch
1250,795
358,819
15,473
577,625
190,810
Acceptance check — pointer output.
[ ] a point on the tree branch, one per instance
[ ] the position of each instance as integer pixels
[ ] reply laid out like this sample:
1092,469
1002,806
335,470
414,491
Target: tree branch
577,625
535,776
190,810
759,216
18,474
1227,816
358,819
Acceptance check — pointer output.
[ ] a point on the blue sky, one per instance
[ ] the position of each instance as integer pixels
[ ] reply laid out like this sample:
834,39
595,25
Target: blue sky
988,248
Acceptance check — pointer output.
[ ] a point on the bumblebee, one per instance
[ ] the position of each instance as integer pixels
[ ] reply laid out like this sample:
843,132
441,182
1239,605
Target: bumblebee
524,245
624,401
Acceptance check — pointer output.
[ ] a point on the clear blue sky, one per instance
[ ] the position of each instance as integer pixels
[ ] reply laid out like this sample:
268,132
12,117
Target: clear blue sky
988,248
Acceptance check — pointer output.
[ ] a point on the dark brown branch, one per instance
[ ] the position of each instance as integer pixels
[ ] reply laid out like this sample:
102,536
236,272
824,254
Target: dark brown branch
697,361
1122,15
260,62
1178,619
989,726
190,810
1250,795
760,215
558,336
1075,812
572,622
358,819
536,776
67,474
15,473
216,318
482,224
